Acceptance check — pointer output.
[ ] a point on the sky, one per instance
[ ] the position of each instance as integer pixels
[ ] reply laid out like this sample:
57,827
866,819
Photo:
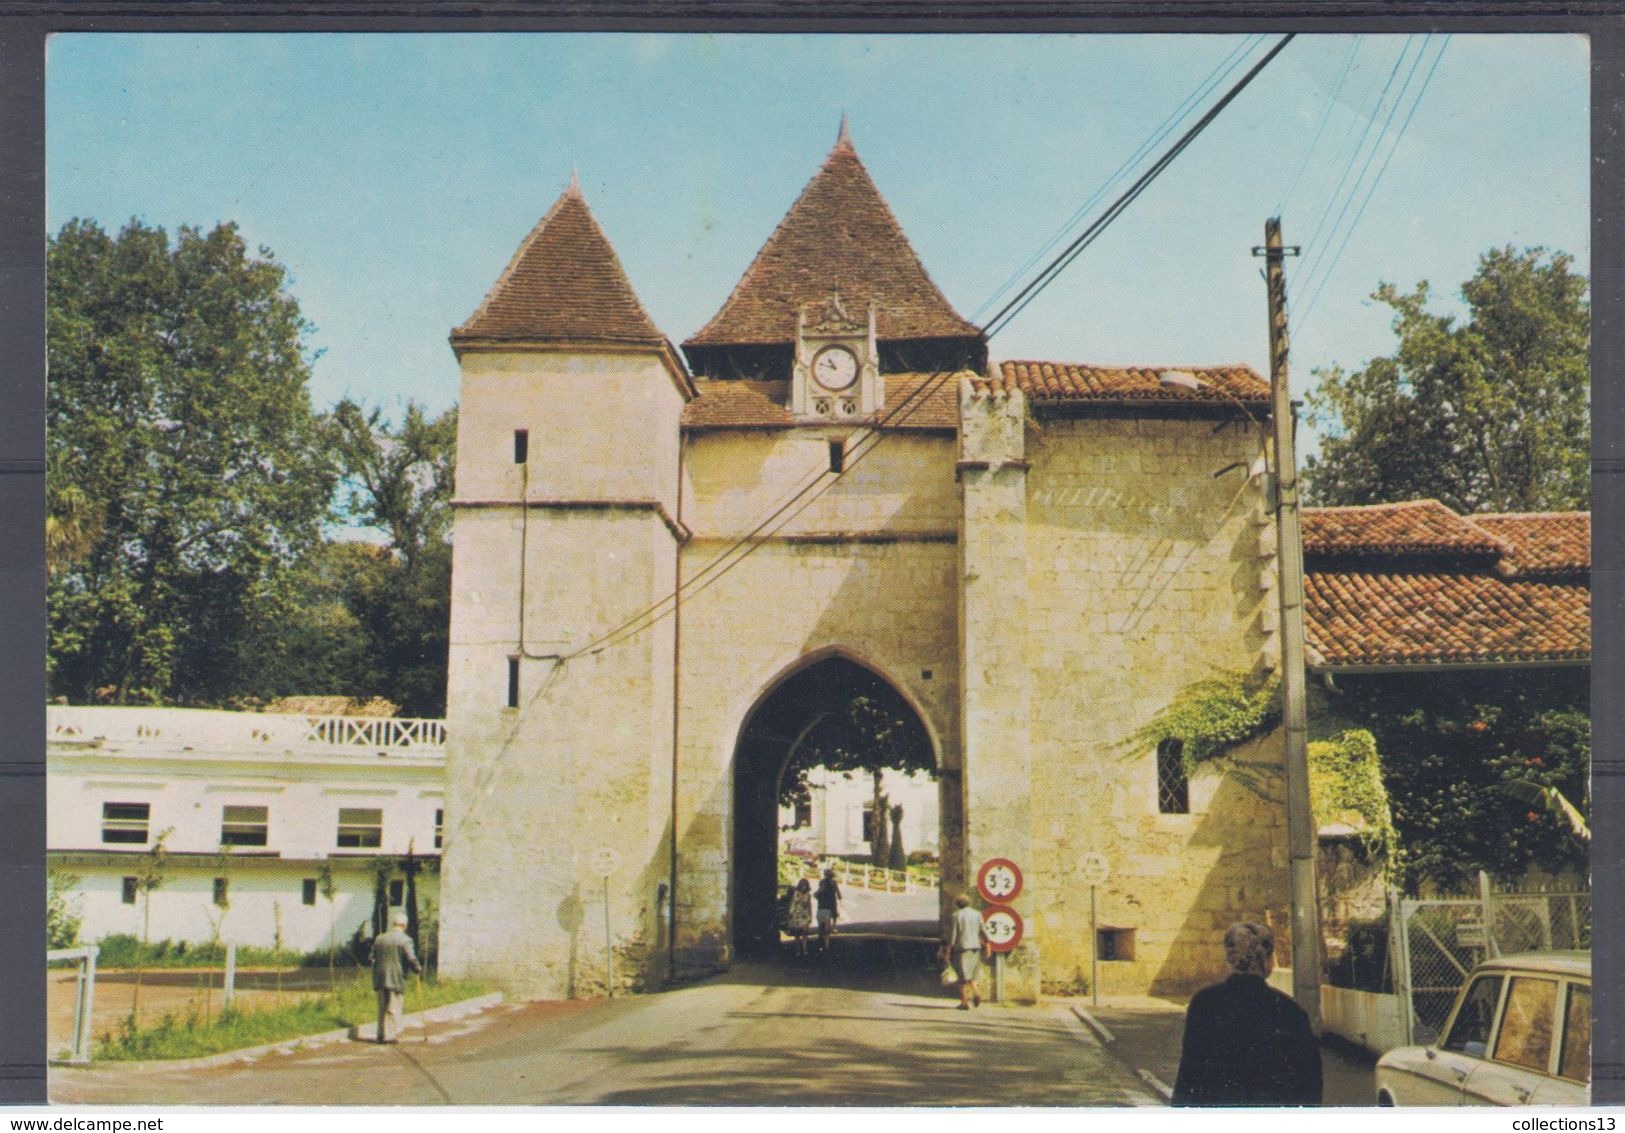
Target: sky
395,175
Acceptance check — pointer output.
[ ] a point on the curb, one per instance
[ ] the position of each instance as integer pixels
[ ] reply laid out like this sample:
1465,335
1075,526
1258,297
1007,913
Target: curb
444,1013
1163,1090
1102,1032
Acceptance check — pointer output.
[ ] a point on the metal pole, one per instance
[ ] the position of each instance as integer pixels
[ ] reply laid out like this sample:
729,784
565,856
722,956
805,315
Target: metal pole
998,977
609,951
1094,950
1306,943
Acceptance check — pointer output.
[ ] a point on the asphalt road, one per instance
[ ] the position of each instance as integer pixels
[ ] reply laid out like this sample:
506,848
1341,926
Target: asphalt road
857,1031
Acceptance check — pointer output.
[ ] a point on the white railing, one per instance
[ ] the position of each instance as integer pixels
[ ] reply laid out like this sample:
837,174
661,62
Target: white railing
877,878
110,729
84,996
375,731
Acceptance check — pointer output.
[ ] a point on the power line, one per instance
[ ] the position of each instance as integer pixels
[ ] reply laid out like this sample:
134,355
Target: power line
1399,137
1331,101
1218,74
1399,98
1014,307
1354,155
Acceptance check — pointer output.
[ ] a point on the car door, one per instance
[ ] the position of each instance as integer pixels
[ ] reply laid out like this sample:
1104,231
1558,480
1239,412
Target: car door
1522,1045
1572,1083
1438,1076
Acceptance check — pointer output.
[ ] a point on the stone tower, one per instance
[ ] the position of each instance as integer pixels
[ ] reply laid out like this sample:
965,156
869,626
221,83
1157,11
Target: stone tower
566,524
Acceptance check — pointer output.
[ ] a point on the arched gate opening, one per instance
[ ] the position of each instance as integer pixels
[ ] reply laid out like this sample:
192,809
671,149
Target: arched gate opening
834,713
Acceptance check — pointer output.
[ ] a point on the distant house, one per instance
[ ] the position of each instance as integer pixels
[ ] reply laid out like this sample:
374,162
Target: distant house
255,805
837,816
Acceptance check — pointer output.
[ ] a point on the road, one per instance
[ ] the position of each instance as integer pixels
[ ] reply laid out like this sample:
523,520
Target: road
854,1032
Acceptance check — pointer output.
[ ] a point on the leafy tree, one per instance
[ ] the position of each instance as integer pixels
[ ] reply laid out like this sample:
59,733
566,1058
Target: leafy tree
1486,415
400,481
186,471
329,890
879,825
62,919
1451,745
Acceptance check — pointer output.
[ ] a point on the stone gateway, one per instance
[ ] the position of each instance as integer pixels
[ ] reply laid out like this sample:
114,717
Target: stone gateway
666,561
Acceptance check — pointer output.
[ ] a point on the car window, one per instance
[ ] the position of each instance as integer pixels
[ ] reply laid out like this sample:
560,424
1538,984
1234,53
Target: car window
1576,1058
1470,1033
1525,1038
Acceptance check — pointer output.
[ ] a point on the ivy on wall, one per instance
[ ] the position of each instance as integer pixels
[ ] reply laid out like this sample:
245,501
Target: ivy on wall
1212,716
1346,788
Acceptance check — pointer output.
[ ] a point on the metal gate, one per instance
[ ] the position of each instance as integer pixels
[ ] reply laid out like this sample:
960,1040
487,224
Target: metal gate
1434,942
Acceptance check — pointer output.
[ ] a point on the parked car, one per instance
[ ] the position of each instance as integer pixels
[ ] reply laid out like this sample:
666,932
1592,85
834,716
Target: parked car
1519,1034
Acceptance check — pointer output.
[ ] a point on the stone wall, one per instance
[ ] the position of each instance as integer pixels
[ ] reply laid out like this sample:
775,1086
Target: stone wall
1145,573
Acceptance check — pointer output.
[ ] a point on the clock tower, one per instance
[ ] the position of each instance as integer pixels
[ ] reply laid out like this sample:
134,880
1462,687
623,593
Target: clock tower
836,373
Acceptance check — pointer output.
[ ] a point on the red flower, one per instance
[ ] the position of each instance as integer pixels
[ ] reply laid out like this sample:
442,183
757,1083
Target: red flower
1531,817
1478,726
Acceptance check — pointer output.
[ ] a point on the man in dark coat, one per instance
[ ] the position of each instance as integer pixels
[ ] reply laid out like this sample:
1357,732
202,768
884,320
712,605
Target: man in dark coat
1245,1042
392,956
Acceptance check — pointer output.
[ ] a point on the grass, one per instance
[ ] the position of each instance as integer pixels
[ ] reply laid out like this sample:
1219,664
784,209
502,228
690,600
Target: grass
345,1006
120,950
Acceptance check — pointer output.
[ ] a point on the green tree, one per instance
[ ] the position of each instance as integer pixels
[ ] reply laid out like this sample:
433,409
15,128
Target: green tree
186,471
399,480
1486,415
62,918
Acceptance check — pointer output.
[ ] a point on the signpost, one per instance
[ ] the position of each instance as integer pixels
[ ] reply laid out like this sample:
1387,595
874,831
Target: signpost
999,881
1095,870
606,861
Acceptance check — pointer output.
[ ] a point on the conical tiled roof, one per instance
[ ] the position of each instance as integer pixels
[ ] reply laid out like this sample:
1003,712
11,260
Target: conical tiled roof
563,284
839,235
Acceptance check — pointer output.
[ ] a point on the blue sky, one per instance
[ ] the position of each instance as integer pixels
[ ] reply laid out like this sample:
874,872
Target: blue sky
394,175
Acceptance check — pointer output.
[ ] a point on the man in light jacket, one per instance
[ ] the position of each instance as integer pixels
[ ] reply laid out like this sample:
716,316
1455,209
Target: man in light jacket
392,956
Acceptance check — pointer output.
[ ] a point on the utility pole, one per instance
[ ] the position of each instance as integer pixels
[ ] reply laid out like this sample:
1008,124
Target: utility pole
1300,822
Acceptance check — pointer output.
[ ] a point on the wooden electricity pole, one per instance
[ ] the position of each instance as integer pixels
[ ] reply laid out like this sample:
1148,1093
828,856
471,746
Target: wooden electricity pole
1300,821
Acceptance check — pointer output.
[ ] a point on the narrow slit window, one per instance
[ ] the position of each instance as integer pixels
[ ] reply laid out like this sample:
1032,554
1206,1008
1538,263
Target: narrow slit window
837,457
128,891
222,893
1173,789
439,827
521,446
397,893
513,682
307,891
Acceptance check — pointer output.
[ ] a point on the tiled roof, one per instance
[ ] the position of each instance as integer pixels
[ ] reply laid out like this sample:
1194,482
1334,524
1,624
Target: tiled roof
1413,527
913,401
1073,381
1416,584
1354,618
1543,542
839,235
563,284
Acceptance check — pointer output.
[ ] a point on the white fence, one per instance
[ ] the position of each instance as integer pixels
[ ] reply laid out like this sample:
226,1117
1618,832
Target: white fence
382,732
878,878
84,996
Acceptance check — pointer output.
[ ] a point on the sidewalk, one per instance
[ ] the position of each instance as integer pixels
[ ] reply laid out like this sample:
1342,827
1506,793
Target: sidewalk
1145,1033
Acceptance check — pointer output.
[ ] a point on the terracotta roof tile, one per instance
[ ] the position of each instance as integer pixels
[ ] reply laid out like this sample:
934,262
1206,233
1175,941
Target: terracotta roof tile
563,284
913,401
1412,527
1543,543
839,235
1074,381
1354,618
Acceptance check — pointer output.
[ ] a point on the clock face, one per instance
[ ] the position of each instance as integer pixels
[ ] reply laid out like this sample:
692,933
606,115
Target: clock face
835,367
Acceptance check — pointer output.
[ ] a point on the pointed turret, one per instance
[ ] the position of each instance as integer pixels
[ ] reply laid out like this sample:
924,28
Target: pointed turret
838,236
564,284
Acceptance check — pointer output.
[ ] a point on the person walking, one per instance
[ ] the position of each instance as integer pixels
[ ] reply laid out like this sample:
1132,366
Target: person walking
963,947
1245,1042
800,918
828,899
392,957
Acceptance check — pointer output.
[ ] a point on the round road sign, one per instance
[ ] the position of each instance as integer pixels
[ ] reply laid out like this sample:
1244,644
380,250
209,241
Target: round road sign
1094,869
605,861
999,880
1002,925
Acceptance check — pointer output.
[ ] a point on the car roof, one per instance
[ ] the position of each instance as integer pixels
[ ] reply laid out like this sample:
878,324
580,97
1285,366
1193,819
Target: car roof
1569,963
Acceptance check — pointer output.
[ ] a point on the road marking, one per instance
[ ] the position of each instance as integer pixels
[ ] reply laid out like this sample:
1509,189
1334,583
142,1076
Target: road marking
1101,1031
1157,1084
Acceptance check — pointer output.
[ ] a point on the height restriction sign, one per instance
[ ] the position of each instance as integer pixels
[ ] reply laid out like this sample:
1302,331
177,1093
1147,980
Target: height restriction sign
1002,926
999,880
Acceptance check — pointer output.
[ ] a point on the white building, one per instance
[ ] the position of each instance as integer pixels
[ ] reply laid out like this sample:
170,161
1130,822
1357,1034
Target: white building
254,805
837,814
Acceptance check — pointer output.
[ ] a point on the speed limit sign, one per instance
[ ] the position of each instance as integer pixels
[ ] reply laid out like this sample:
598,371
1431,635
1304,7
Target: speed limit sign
1002,926
999,880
